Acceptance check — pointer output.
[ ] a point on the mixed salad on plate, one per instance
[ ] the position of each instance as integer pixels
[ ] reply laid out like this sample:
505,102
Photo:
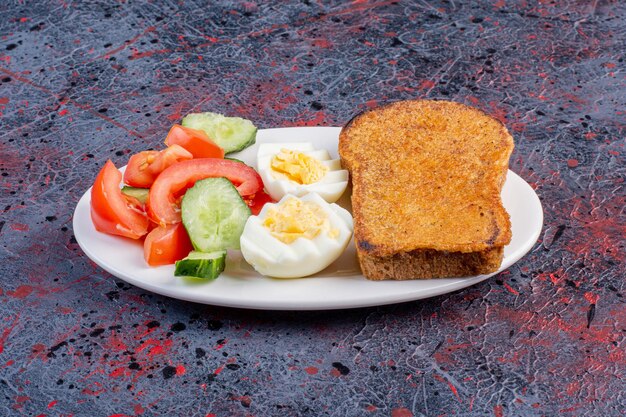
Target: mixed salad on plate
190,203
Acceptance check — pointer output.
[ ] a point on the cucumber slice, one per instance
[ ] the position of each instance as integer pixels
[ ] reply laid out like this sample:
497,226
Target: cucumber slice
230,133
140,194
214,215
201,265
236,160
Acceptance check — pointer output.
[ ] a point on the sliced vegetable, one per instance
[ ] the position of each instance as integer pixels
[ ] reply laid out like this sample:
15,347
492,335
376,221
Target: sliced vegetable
197,142
231,133
111,211
141,194
201,265
137,173
214,215
169,187
235,159
144,167
257,202
166,244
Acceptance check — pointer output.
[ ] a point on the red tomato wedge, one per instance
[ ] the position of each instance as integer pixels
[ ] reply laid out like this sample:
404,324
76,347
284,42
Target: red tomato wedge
169,187
166,244
195,141
111,211
144,167
257,202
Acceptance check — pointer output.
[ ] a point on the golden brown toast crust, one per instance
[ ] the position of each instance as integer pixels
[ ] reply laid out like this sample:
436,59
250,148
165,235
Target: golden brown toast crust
426,178
425,264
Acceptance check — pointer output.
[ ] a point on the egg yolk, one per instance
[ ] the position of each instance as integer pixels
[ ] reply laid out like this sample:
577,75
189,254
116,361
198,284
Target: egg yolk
295,218
298,167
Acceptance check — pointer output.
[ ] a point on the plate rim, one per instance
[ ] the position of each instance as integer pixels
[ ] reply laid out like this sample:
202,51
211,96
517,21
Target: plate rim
448,285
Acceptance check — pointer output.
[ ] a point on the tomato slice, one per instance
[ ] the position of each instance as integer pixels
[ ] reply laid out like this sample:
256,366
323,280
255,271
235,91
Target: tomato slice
257,202
111,211
169,187
195,141
144,167
166,244
137,173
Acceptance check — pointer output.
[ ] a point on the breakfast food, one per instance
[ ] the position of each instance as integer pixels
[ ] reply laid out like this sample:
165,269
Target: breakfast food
188,181
298,168
296,237
426,179
232,134
214,215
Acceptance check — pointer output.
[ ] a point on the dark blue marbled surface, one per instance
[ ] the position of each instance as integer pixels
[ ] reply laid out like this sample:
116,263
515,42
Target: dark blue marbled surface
82,82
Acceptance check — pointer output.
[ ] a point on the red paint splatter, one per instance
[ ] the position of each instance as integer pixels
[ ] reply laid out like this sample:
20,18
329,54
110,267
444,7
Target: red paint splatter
427,85
20,227
311,370
244,399
157,348
498,411
20,400
6,332
572,163
125,45
371,104
401,412
138,409
221,345
63,112
21,292
498,112
180,370
65,310
118,372
322,43
4,100
591,297
454,391
511,289
52,403
137,55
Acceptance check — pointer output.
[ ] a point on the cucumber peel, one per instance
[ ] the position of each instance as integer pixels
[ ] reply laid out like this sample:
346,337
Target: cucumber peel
214,215
201,265
230,133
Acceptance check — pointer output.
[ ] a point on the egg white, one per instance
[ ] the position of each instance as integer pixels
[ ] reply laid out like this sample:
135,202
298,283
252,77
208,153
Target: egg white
330,187
272,257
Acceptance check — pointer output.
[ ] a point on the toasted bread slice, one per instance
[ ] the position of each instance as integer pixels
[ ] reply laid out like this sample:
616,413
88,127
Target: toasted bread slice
426,179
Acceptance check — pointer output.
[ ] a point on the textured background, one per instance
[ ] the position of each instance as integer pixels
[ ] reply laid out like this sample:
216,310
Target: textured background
81,82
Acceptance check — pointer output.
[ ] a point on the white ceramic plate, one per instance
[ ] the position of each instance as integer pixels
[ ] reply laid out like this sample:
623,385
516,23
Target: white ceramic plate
341,285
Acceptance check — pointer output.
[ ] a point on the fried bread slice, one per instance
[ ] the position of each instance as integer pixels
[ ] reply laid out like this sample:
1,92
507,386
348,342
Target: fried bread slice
426,181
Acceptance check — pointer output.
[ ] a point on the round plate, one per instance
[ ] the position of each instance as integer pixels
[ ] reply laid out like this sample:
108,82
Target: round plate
341,285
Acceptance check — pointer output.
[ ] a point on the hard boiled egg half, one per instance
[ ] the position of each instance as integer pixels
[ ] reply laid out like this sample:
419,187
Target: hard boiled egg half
296,237
298,168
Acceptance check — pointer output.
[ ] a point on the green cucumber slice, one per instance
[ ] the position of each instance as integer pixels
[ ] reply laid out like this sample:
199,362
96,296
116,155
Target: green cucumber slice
201,265
230,133
140,194
214,215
